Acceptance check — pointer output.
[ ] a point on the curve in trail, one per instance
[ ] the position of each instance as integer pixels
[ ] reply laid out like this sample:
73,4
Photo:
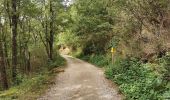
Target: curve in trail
81,81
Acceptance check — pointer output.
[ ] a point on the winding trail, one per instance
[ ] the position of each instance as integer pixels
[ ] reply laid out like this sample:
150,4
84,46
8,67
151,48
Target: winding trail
81,81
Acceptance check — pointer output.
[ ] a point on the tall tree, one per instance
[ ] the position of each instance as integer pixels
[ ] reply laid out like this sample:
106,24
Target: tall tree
14,38
51,40
3,75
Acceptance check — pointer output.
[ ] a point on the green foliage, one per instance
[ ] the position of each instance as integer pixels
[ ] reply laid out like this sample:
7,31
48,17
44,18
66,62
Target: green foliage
68,38
30,87
99,60
33,84
88,26
57,61
165,62
77,53
114,42
136,80
130,26
19,79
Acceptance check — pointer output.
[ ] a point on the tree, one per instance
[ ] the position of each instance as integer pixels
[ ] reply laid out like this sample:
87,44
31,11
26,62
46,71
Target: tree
14,4
3,75
51,39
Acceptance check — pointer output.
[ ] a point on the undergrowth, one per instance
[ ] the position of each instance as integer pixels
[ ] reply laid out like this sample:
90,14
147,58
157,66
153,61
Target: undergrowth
136,80
99,60
31,87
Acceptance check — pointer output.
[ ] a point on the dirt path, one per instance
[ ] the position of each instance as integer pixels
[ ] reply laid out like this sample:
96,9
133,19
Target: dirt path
81,81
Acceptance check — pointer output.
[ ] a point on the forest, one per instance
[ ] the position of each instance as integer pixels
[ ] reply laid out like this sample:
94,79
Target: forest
33,33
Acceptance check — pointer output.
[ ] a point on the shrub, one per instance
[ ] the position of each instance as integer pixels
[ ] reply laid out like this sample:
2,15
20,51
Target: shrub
57,61
137,80
165,62
99,60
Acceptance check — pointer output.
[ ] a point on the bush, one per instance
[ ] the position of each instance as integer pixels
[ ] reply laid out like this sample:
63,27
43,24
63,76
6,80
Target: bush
137,80
99,60
57,61
165,62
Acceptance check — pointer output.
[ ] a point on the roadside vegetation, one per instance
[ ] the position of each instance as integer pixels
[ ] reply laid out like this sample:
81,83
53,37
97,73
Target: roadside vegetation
33,31
136,80
36,83
137,29
28,51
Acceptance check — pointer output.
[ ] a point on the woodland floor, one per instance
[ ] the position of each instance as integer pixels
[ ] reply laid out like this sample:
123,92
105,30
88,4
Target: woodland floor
81,81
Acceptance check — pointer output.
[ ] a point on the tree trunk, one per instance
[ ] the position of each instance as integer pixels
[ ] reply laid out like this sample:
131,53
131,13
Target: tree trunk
5,31
14,39
29,62
51,31
3,75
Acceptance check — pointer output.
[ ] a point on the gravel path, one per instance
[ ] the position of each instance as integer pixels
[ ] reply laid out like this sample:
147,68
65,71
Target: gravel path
81,81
